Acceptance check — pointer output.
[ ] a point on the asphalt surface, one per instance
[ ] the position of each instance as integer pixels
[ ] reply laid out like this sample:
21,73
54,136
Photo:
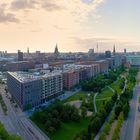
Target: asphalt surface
94,101
128,128
16,122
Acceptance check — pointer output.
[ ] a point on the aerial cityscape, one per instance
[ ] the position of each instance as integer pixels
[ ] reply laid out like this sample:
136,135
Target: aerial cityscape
69,70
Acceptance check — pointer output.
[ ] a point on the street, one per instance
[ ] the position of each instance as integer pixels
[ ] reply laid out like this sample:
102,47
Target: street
129,126
16,121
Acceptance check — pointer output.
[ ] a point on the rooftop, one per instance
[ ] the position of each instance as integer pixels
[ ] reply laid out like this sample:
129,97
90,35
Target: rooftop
27,77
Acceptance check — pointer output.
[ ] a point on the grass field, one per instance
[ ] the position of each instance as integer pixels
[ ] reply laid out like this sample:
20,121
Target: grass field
102,97
116,86
99,103
106,92
69,130
78,96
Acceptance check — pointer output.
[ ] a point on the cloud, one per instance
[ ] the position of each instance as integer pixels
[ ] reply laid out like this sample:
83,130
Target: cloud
23,4
36,30
51,5
59,28
48,5
6,17
87,43
75,7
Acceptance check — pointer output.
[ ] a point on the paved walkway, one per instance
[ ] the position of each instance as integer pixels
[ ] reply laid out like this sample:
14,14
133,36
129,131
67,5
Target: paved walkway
95,108
111,89
103,99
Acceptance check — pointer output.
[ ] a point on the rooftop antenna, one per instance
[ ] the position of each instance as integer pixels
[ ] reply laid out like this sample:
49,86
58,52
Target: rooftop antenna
97,48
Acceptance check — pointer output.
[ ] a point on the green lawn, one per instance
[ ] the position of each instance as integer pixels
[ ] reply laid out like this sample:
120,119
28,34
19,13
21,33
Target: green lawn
106,92
116,86
69,130
102,97
99,103
78,96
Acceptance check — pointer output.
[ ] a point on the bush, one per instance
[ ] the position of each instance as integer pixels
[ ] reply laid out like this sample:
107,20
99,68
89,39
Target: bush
107,128
102,136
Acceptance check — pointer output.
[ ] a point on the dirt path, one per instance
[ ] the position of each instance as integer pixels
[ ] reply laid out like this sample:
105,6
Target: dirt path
109,136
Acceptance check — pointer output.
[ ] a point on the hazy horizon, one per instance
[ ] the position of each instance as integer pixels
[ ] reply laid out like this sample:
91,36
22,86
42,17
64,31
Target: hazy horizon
75,26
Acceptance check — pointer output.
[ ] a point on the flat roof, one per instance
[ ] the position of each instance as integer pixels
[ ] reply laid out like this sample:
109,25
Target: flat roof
27,77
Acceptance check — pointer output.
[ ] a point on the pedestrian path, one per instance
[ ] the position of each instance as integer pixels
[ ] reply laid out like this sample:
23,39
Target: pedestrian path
95,108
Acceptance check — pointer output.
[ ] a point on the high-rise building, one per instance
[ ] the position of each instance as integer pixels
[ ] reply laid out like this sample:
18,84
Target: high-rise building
20,55
91,52
70,79
29,89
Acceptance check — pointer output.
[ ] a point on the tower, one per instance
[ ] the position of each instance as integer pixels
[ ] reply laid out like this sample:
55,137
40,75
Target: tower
20,55
125,51
97,47
28,51
56,52
114,50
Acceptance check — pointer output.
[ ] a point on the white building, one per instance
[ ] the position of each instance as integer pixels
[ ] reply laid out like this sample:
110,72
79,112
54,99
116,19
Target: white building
134,60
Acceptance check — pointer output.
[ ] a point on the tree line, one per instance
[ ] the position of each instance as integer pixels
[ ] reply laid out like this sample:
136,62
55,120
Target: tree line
97,83
52,117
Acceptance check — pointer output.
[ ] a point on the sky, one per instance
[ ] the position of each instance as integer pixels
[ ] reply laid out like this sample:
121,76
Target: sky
75,25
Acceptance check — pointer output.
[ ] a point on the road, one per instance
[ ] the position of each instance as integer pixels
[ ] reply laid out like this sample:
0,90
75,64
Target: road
128,128
16,122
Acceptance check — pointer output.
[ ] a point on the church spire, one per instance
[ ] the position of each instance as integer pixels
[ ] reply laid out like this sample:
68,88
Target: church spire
114,50
56,52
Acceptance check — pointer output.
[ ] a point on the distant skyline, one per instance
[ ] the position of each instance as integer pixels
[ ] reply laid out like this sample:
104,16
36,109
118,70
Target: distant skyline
75,25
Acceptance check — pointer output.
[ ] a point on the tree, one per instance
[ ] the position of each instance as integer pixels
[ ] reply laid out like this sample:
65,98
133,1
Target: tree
126,109
114,97
102,114
51,129
107,128
118,108
102,136
75,116
108,106
84,112
95,125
